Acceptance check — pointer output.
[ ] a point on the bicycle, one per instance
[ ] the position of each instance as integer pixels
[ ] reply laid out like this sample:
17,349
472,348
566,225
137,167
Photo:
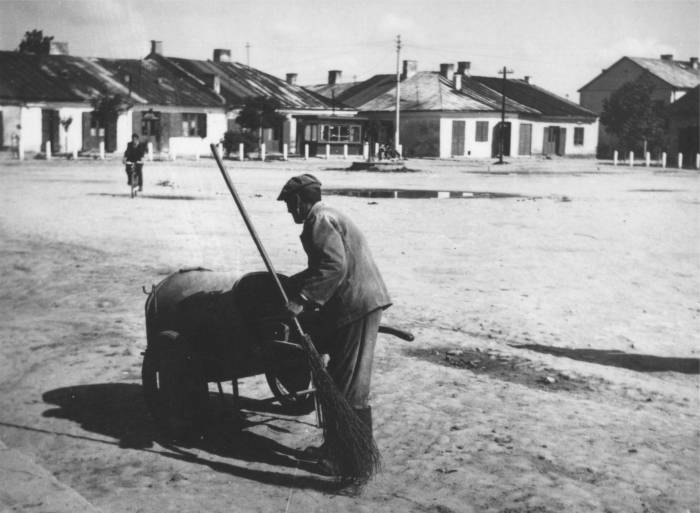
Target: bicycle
133,172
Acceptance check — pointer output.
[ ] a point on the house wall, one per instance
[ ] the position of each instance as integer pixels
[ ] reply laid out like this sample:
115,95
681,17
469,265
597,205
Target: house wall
72,139
30,119
473,148
594,94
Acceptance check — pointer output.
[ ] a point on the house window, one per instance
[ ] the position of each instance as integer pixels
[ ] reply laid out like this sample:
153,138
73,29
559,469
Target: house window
340,133
578,136
194,125
482,131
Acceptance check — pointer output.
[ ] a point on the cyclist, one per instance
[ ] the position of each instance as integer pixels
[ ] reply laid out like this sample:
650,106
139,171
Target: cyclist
134,156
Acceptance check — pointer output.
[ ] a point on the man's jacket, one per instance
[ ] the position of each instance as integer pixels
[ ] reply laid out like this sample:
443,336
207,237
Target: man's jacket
134,152
341,276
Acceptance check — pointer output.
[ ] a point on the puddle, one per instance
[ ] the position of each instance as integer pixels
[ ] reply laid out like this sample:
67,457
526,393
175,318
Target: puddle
504,367
420,194
657,190
151,196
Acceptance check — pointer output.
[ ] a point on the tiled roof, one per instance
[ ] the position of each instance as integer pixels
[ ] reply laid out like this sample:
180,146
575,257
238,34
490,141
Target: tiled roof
679,74
428,91
543,101
240,83
155,80
63,78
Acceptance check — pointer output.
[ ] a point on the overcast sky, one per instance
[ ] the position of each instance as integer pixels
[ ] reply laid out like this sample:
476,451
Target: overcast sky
560,44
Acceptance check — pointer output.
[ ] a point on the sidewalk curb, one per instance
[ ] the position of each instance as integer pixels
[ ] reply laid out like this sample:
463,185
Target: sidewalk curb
27,486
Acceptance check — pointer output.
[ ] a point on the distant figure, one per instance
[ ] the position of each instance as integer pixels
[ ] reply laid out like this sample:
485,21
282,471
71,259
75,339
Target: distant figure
134,154
381,152
15,140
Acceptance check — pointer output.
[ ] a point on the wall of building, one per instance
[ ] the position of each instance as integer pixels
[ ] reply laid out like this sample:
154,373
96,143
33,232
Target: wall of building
11,115
71,139
30,119
472,148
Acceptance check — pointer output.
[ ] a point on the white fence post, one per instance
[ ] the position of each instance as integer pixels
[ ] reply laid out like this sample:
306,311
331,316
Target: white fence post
697,161
345,151
149,146
75,153
20,149
220,150
47,147
102,150
262,151
365,151
615,158
631,159
285,150
306,152
399,149
680,160
328,151
241,152
663,160
376,149
648,159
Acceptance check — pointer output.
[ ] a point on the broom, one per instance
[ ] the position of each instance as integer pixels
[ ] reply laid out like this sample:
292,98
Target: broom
350,444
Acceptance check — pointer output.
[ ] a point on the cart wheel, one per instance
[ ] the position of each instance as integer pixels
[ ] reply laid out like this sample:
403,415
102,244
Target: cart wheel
286,381
174,388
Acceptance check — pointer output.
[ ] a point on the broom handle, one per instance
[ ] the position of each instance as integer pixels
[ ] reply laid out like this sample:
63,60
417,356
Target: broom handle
253,233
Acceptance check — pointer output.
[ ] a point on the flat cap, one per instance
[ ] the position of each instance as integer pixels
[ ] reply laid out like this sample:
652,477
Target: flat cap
295,184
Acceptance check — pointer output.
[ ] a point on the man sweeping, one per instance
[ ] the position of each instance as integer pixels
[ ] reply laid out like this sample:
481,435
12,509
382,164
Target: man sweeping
341,281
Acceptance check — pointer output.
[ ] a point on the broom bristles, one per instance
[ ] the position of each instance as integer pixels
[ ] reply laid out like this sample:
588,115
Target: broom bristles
348,440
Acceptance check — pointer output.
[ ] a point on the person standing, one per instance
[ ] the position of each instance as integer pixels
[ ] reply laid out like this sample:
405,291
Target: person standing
134,155
343,282
15,141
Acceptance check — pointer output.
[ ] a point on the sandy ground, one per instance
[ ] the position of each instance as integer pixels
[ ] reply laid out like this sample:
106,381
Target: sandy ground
555,366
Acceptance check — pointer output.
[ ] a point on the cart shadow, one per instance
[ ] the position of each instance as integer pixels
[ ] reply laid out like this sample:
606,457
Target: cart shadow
118,411
631,361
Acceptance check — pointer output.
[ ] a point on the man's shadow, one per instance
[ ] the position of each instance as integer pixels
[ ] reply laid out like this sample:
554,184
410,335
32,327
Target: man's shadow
117,410
632,361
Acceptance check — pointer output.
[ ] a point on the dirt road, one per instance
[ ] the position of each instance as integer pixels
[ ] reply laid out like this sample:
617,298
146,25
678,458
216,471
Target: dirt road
555,366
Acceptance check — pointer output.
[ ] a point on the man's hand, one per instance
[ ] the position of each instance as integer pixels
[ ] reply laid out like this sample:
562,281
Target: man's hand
294,308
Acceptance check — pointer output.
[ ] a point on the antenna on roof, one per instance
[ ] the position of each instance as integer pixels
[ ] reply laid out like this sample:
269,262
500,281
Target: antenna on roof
247,54
398,92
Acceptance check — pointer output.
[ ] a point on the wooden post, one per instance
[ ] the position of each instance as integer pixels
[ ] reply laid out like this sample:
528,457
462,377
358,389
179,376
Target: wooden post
220,148
615,158
149,146
680,160
400,150
376,149
75,153
631,159
697,161
285,150
663,160
328,151
365,151
241,152
47,147
102,150
345,151
306,152
648,159
262,152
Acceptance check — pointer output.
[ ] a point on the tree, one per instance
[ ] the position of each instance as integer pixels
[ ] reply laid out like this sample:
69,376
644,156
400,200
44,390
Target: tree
259,113
35,42
634,118
108,107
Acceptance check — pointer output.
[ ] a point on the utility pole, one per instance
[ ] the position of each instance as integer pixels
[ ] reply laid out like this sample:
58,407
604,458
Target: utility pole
398,92
247,54
501,142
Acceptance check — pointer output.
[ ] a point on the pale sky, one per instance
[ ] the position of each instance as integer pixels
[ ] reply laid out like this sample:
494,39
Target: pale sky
560,44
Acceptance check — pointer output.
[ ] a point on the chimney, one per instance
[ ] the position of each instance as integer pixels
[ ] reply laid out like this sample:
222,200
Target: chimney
410,68
693,62
292,78
526,78
667,57
157,47
458,81
464,67
447,70
334,76
222,55
58,48
212,80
